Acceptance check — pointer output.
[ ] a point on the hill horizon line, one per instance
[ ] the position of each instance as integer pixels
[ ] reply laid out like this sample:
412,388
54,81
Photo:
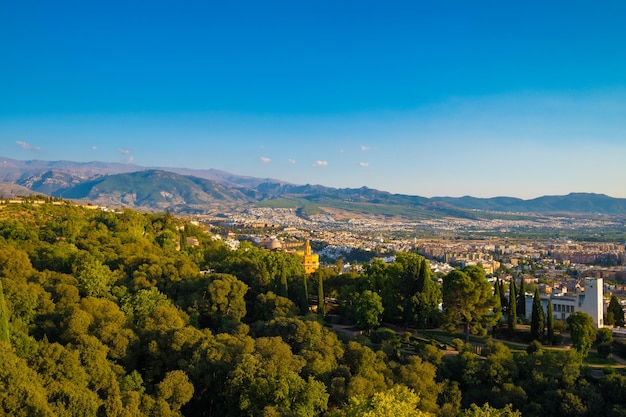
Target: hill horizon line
109,168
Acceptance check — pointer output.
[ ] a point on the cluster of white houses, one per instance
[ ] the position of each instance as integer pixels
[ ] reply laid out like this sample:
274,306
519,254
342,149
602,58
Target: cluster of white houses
589,299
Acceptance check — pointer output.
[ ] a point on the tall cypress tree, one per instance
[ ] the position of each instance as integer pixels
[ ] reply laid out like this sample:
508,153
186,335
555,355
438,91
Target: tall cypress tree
503,300
512,320
550,322
497,309
521,298
496,289
283,280
428,295
304,297
537,318
4,318
320,295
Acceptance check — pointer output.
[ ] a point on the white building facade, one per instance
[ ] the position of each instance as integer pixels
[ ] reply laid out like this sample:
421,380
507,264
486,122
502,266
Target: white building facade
589,300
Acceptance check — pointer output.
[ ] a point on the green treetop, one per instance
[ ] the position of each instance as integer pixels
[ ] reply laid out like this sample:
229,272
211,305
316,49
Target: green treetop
537,320
615,313
468,300
582,331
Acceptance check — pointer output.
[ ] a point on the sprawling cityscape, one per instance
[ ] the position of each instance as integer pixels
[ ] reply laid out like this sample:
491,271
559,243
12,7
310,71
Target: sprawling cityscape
497,245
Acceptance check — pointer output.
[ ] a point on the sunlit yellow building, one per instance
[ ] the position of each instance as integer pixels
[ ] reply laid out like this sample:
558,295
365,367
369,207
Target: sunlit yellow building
310,260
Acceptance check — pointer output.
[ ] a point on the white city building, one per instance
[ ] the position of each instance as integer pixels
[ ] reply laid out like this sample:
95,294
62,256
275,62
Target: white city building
588,300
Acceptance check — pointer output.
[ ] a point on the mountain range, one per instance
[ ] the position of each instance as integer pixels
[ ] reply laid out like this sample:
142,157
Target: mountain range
183,190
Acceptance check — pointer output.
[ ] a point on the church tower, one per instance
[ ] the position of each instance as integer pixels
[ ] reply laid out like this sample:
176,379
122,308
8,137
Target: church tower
311,261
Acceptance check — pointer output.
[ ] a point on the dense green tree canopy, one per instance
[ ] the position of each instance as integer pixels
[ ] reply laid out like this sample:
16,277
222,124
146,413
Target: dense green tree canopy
108,314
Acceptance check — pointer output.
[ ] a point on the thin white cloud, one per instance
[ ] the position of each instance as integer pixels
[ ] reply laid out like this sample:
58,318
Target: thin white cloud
27,146
265,160
292,161
93,148
365,148
363,164
320,163
129,158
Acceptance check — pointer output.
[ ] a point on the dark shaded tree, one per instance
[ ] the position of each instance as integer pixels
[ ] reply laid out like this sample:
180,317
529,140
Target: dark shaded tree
512,310
537,319
284,288
615,313
550,322
504,302
521,298
497,309
421,295
318,277
604,342
304,296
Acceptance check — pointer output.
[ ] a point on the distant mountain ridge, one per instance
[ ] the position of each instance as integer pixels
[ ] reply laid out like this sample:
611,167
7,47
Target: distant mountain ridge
189,190
156,190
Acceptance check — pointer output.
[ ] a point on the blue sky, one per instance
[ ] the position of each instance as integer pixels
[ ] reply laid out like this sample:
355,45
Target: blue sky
437,98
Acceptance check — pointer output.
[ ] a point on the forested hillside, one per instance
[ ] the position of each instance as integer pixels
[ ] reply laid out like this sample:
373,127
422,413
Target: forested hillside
115,314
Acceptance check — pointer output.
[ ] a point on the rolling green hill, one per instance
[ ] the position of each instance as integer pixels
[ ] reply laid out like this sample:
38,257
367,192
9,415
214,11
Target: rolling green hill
153,189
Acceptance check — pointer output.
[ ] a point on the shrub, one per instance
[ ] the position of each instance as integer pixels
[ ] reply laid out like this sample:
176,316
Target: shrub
557,339
533,347
457,344
605,349
381,334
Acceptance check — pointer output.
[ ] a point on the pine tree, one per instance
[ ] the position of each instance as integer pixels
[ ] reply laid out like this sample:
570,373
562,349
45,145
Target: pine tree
537,319
550,322
4,318
512,321
521,298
